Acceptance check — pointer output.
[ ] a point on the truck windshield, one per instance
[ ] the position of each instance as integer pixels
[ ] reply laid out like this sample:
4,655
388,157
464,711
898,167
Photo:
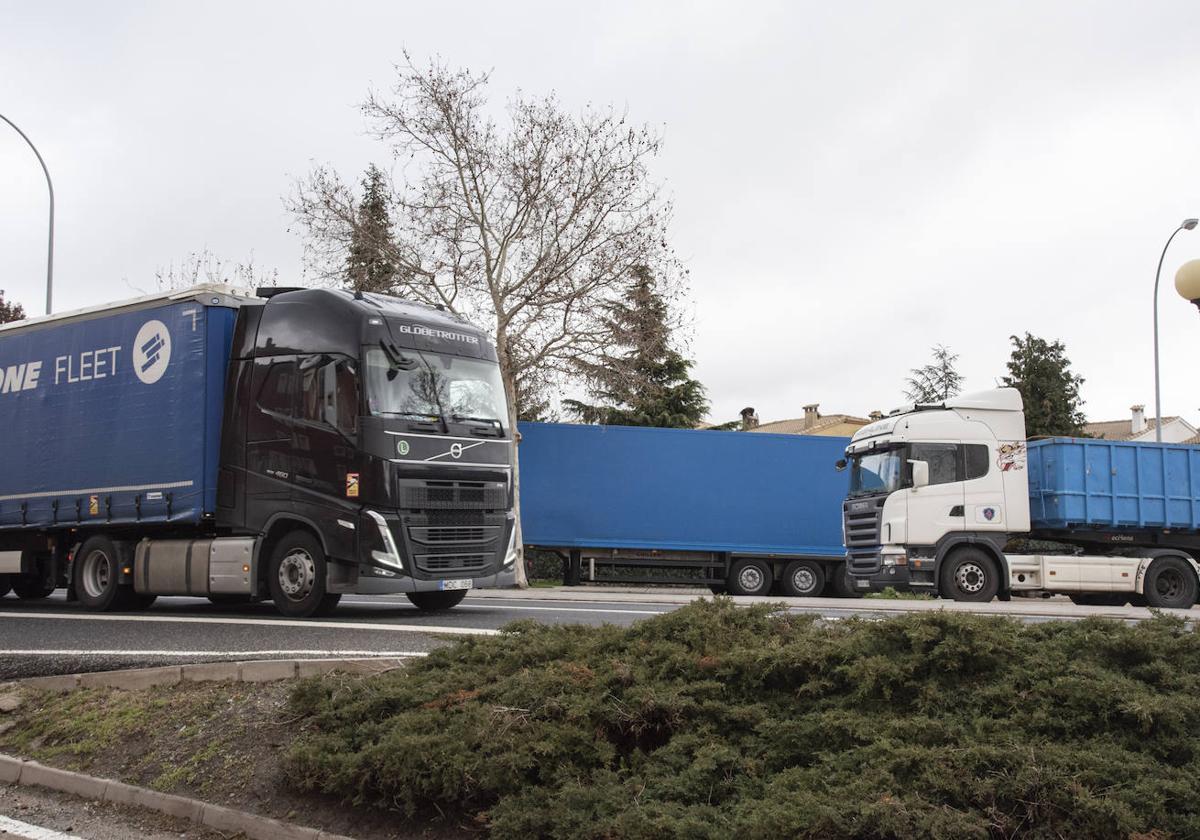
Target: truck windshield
432,385
876,472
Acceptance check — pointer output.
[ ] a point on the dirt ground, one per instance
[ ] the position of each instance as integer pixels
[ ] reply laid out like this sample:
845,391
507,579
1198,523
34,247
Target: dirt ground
94,820
219,742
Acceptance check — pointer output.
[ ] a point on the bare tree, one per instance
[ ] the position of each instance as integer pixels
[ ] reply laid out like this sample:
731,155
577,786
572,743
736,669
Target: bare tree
525,228
205,267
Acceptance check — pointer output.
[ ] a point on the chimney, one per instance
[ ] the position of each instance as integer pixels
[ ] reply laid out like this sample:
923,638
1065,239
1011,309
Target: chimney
1138,424
749,419
811,415
875,415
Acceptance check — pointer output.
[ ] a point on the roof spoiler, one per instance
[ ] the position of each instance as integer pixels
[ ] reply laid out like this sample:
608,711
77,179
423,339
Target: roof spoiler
269,292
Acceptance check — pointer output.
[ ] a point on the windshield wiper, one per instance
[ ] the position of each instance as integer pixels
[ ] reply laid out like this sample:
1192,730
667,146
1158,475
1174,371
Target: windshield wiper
491,421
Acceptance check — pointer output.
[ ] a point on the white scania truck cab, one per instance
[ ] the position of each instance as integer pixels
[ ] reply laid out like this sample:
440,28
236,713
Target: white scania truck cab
939,492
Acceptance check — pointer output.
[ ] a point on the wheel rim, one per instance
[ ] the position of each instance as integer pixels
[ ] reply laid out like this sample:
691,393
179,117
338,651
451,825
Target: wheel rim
970,577
751,579
297,574
1169,584
803,580
97,573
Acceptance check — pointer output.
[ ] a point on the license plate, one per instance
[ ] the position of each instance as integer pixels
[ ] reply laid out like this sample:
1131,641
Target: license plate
862,584
465,583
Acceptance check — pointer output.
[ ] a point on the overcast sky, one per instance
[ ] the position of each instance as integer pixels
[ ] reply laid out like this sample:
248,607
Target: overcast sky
854,182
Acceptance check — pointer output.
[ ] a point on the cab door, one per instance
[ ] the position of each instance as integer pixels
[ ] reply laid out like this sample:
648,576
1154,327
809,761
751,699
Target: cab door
270,464
937,508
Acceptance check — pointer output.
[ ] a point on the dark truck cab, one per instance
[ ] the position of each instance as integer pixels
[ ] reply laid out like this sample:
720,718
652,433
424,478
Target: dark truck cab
383,425
363,447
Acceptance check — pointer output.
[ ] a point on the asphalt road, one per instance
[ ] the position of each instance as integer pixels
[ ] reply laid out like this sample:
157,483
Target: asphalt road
53,637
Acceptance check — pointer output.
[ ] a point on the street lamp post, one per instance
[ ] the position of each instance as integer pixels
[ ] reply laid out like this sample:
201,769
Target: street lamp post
1187,224
50,185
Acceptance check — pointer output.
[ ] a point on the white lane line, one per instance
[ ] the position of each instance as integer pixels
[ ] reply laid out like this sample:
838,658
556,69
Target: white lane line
32,832
389,654
260,622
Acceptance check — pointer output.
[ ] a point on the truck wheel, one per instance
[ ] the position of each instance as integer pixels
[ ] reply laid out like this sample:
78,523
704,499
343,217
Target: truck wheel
803,579
297,575
843,583
433,601
5,585
96,567
749,577
968,574
32,588
1170,584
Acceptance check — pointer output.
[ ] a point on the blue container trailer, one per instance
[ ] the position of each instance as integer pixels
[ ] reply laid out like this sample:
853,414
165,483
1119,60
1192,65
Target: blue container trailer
1102,484
745,510
297,444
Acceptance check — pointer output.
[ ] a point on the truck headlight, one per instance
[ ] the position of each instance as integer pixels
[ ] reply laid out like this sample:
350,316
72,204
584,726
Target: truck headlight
510,556
390,556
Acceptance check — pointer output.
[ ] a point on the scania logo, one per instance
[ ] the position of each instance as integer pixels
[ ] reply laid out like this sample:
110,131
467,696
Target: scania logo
456,450
859,506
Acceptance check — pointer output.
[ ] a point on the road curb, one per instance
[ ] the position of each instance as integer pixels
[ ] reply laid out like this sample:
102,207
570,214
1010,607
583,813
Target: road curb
260,670
19,771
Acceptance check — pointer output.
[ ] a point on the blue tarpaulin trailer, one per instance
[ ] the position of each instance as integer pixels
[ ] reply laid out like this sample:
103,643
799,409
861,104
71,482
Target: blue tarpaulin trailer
114,418
719,502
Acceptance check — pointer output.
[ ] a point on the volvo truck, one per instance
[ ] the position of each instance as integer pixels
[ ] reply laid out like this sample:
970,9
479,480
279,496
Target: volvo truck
297,445
952,499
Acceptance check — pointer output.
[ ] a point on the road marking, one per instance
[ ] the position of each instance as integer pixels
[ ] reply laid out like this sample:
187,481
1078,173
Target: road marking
32,832
262,622
390,654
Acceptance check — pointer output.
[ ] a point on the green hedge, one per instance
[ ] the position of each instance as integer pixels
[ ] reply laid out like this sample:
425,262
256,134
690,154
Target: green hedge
716,721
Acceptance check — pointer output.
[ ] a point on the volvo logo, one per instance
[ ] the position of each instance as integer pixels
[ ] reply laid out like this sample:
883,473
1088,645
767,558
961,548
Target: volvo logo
456,450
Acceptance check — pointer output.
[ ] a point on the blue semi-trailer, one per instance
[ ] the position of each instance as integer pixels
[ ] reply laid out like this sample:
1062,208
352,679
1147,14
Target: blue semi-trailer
946,498
294,445
745,513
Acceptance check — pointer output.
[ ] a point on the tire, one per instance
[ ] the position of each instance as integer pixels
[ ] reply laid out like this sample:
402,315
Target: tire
96,568
803,579
296,577
969,574
716,588
31,589
749,576
5,585
435,601
139,601
1170,584
843,583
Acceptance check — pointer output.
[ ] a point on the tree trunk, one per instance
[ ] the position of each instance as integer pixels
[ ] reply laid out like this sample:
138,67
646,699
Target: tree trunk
510,391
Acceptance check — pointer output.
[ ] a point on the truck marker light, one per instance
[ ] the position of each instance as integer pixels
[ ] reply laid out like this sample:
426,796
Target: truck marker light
245,567
126,570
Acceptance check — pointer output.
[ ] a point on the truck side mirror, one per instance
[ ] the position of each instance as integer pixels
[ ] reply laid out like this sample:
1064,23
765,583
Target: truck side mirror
920,473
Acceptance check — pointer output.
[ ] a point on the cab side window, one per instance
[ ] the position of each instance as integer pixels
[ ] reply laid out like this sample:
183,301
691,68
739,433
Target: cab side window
942,459
977,459
329,393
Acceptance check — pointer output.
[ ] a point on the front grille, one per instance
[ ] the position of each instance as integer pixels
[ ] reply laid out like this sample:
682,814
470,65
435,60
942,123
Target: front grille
862,518
454,495
453,534
863,562
452,563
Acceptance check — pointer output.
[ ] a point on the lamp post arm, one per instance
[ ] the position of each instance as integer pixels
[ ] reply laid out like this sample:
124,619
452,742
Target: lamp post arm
1157,388
50,186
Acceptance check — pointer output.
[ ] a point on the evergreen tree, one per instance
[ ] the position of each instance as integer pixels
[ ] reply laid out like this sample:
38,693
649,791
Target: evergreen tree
1040,370
10,311
369,268
642,380
937,381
